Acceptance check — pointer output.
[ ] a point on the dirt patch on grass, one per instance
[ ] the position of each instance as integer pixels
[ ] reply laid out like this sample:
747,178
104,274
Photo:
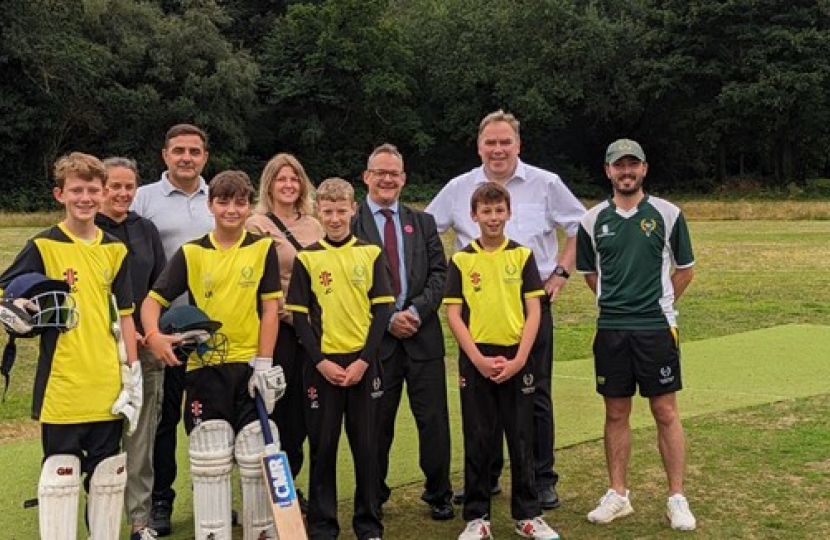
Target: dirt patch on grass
18,430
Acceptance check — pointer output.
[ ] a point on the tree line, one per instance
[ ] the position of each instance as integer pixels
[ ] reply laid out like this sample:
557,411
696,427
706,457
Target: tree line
714,89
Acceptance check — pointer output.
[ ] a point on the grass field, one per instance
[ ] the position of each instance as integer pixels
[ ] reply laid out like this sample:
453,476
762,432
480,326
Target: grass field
757,472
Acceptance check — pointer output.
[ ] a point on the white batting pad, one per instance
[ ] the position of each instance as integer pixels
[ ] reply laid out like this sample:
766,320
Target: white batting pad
211,461
106,497
256,508
57,495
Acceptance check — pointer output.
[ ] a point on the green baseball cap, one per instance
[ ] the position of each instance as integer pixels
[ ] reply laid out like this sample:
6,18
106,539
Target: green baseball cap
624,147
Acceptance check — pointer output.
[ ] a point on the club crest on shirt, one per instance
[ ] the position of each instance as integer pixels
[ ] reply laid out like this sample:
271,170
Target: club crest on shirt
246,277
359,274
510,271
207,284
108,278
648,226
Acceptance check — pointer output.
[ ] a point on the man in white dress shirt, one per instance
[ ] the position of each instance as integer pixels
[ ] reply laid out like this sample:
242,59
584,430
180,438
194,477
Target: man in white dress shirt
541,203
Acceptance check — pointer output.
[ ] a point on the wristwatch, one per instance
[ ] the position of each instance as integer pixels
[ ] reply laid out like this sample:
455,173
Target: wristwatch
561,272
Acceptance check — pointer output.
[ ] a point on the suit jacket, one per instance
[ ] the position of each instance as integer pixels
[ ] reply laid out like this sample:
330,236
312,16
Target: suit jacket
426,272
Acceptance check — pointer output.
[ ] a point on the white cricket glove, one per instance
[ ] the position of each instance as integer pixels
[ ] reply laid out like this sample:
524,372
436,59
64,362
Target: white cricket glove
269,381
15,317
131,398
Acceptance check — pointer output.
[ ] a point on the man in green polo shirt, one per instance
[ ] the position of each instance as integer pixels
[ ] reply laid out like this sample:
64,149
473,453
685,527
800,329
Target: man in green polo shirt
636,255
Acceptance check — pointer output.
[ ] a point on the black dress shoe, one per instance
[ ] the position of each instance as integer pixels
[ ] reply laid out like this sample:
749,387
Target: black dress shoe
458,496
442,511
548,498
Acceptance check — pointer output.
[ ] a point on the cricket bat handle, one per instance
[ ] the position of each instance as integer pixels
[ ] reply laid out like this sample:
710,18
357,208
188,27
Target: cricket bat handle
264,424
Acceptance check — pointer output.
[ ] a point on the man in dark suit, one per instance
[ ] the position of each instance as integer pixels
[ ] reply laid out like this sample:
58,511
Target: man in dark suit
413,346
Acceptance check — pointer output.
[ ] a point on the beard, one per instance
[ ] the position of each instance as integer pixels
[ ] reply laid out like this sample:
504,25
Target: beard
630,189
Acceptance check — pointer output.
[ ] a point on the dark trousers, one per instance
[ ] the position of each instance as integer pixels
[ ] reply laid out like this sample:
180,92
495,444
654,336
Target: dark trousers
543,419
326,407
91,442
426,387
289,413
511,402
164,450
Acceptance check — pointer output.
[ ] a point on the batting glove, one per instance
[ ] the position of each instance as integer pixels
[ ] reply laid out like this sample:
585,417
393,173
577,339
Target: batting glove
268,381
14,316
131,398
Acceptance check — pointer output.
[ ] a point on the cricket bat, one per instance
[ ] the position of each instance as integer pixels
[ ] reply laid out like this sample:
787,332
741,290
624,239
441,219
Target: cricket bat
285,508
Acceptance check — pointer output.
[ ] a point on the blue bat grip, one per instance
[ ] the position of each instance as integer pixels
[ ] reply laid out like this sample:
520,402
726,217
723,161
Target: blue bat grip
262,412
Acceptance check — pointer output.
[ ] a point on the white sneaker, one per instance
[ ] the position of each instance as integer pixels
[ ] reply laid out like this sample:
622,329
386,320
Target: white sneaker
477,529
611,506
679,514
536,528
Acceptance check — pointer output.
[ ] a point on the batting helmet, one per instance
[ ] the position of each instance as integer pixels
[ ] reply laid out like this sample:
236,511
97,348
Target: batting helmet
200,336
33,303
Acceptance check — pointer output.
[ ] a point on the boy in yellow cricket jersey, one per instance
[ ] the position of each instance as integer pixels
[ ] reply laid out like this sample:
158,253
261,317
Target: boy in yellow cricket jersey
493,309
341,297
232,277
87,373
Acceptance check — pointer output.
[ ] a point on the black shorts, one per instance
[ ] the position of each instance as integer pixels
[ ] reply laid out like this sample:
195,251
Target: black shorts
219,392
625,359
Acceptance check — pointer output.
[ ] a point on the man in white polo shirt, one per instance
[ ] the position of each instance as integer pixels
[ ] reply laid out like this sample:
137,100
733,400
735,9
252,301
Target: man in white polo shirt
541,204
178,206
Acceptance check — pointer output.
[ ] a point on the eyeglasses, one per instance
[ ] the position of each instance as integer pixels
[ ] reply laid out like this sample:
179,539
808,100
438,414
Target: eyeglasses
380,173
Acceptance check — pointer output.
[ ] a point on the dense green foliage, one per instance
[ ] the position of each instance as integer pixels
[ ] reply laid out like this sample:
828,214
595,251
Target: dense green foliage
714,90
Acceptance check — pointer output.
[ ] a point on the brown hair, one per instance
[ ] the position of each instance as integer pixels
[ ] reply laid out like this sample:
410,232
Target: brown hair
489,193
84,166
305,201
185,129
231,185
335,189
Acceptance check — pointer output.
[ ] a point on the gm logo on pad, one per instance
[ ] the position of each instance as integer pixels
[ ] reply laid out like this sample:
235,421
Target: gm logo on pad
280,486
